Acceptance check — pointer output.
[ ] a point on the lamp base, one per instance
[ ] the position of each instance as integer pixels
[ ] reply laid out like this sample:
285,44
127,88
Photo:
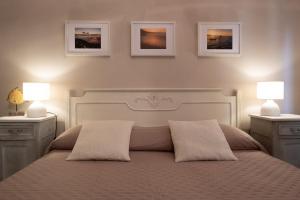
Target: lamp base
36,109
270,108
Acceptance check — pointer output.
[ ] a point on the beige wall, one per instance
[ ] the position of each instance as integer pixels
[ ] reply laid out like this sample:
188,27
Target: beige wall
32,48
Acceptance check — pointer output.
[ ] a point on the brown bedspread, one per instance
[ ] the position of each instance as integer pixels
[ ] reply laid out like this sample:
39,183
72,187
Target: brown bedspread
155,175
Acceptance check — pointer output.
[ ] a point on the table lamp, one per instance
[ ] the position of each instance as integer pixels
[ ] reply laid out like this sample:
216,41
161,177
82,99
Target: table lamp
36,92
270,91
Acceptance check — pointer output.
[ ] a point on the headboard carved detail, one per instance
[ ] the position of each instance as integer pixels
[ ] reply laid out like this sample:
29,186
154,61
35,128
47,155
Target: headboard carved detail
154,101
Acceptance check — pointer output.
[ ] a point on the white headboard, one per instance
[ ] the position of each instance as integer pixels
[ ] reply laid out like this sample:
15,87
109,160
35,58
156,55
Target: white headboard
152,107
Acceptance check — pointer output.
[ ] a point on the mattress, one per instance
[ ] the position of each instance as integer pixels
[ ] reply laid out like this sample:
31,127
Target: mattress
155,175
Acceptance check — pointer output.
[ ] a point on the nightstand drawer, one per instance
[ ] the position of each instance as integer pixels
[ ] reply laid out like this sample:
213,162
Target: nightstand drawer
16,132
289,130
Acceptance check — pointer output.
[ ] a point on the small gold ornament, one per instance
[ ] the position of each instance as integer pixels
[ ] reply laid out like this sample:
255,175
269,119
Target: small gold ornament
15,97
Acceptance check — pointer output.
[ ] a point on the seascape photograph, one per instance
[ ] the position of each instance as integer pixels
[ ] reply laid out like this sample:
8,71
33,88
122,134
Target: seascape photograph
88,38
219,39
153,38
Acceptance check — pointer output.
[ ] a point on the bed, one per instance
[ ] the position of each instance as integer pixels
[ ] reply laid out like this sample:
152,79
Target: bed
152,172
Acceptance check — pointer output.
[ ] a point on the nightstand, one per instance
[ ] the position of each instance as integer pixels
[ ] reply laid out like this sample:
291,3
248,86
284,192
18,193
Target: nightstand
23,140
279,135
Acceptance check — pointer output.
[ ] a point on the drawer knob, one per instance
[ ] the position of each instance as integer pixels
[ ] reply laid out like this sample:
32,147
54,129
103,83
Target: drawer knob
15,131
295,130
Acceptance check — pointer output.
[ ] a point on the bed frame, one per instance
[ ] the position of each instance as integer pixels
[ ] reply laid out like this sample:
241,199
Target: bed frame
153,107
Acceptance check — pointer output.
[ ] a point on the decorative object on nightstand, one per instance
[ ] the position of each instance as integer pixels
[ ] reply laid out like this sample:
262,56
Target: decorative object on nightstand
15,97
280,135
23,140
270,91
36,92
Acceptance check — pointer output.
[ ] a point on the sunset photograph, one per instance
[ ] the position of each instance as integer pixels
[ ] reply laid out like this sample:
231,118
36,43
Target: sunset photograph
153,38
88,38
219,39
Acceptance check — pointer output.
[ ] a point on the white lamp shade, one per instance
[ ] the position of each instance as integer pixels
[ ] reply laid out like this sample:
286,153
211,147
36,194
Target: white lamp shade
270,90
36,91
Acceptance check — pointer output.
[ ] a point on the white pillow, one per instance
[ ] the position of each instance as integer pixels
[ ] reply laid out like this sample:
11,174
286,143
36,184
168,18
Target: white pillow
103,140
199,140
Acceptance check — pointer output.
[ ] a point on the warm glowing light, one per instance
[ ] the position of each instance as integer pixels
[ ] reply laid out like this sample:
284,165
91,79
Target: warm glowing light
36,91
46,70
257,72
47,73
270,90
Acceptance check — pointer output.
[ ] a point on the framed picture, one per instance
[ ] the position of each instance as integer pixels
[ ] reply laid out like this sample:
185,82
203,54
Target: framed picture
219,39
152,38
87,38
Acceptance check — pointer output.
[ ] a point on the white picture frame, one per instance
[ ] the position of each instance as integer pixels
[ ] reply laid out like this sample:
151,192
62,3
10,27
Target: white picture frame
153,38
87,38
219,39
